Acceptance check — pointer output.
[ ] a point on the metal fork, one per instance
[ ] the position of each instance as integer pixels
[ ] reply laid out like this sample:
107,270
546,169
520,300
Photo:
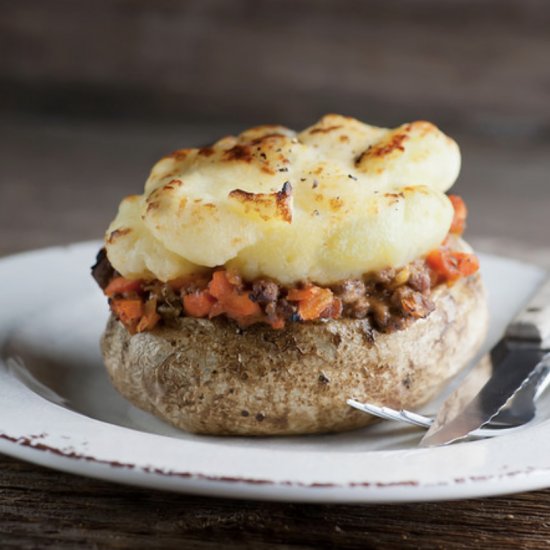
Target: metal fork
514,416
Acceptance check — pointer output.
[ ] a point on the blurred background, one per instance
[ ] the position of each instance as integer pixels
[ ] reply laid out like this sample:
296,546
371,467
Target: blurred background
92,93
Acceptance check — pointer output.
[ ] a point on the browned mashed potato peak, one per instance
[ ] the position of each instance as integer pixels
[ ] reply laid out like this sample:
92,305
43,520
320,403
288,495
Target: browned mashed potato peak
332,202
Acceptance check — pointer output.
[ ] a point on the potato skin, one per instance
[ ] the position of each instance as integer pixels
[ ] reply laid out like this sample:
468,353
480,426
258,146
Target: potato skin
209,377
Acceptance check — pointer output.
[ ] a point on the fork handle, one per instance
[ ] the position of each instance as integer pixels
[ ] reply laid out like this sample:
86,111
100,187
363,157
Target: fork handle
533,322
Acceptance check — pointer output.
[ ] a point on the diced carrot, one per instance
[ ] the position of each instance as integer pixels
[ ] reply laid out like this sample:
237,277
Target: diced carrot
460,213
121,285
198,304
219,286
468,264
436,260
234,304
240,305
312,301
299,294
129,311
312,309
451,265
217,309
150,316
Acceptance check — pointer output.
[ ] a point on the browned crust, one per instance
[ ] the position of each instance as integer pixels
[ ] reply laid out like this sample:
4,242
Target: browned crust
120,232
239,152
262,202
326,130
206,376
383,148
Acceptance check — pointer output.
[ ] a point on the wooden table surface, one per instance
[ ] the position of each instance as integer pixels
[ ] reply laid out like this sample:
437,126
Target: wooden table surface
61,182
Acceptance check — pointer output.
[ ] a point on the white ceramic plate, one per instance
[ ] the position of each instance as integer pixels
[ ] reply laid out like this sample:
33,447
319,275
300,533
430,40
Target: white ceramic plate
58,409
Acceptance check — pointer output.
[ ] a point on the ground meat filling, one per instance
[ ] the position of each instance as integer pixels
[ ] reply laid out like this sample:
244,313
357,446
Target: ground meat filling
390,299
102,270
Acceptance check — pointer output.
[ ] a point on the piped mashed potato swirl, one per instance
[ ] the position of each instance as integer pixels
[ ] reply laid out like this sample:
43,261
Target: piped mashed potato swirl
336,201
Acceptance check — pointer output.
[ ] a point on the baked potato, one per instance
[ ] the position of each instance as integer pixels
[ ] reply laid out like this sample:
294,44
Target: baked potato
259,283
208,376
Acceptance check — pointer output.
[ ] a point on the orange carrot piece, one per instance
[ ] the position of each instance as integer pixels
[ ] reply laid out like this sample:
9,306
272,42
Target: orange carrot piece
468,264
299,294
121,285
129,311
460,213
219,286
312,301
234,305
436,261
216,309
198,304
240,305
312,309
450,265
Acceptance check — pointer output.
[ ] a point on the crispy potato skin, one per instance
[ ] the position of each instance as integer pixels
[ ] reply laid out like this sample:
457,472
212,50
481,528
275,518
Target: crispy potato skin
208,377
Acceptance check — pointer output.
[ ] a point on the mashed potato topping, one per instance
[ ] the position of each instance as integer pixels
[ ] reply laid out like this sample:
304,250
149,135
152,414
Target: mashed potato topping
335,201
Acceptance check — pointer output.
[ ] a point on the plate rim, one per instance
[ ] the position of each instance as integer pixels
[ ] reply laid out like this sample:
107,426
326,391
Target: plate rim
526,479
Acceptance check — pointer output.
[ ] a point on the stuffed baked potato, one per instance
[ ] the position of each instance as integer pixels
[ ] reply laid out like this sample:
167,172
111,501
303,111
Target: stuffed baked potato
260,282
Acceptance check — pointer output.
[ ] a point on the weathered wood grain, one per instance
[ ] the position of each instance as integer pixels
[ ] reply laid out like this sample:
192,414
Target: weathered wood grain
480,64
41,508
